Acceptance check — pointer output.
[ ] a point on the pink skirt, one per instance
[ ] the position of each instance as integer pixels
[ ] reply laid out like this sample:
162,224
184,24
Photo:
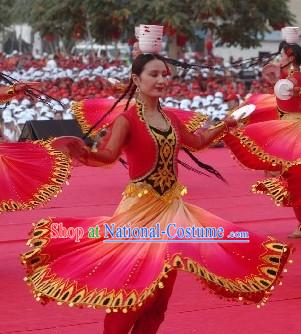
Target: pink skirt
92,271
274,146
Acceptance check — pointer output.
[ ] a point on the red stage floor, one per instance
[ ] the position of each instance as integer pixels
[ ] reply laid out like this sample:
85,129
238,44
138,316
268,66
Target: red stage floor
96,191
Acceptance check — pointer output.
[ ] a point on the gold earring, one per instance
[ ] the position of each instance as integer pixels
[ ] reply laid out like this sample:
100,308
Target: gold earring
138,90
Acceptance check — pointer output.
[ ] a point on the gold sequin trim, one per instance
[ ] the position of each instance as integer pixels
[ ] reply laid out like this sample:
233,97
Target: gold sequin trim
77,108
78,111
140,189
275,188
48,286
253,148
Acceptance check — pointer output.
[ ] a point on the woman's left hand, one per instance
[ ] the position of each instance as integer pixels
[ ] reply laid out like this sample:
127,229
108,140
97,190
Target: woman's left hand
295,91
231,122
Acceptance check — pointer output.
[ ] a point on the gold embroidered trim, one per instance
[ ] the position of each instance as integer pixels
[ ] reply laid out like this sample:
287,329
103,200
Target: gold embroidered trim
78,111
164,176
48,286
275,188
253,148
291,116
57,178
77,108
140,189
195,122
139,110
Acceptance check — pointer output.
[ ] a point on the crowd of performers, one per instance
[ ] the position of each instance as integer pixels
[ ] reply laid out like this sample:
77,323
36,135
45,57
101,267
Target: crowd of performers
133,281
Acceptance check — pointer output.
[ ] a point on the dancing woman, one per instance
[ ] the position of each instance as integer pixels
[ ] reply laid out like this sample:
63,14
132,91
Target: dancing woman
134,281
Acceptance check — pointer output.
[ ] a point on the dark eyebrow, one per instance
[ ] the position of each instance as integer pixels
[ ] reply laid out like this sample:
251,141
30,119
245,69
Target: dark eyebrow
158,71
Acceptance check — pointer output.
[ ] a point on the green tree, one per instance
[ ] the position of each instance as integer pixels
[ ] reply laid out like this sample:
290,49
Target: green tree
5,13
232,22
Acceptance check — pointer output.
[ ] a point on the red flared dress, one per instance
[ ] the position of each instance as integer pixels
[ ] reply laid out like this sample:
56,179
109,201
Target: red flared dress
102,272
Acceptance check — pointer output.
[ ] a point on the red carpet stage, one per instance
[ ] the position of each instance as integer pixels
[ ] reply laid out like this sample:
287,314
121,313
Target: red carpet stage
96,191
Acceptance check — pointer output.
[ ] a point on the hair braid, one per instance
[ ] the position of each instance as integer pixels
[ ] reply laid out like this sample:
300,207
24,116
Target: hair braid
131,94
110,110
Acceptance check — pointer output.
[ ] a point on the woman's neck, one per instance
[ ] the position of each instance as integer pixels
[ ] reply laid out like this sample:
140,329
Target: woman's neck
150,103
292,66
296,68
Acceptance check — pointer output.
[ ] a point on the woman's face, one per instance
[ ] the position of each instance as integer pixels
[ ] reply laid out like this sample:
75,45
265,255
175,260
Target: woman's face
153,79
285,64
284,59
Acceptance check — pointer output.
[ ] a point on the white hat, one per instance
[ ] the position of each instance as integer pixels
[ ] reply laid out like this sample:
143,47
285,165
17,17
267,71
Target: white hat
291,34
219,94
67,116
6,113
8,119
195,104
137,30
150,38
21,120
217,100
17,110
25,102
197,98
49,114
58,107
65,100
22,114
185,104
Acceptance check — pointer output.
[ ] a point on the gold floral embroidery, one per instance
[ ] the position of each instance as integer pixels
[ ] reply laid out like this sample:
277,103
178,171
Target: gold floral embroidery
195,122
163,176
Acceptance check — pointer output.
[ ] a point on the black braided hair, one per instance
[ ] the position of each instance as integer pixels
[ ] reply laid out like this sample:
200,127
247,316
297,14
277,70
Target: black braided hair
30,91
131,94
110,110
201,164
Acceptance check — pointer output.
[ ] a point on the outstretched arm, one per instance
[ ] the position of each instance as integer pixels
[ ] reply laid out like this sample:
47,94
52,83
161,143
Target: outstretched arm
203,138
108,151
7,93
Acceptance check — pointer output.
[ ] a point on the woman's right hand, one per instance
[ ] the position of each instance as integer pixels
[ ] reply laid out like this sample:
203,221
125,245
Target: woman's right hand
231,122
73,146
